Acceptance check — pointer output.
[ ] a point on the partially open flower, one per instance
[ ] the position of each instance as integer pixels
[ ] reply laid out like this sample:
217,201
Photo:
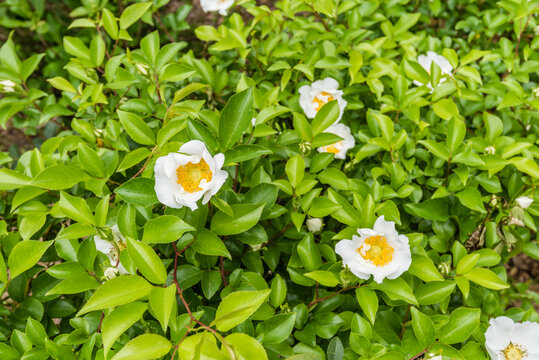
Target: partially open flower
111,273
216,5
183,178
112,249
339,148
426,62
507,340
143,69
380,252
524,201
319,93
490,150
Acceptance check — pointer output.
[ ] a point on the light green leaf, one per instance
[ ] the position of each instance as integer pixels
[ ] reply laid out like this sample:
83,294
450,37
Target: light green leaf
237,307
137,129
162,302
147,261
165,229
460,326
208,243
132,13
144,347
235,118
119,320
486,278
245,217
25,255
118,291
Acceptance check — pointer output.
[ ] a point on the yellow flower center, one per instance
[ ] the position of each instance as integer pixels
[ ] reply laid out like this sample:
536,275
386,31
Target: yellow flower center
321,99
514,352
377,250
190,175
335,148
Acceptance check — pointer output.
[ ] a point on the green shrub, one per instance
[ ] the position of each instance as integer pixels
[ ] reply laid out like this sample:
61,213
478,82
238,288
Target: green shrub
329,179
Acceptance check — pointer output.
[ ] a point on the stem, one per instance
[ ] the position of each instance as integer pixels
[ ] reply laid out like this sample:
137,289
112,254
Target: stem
316,301
319,17
520,36
421,353
145,164
277,235
222,271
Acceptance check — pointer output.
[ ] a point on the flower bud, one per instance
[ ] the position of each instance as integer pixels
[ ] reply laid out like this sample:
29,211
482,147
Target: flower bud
111,273
516,221
524,202
490,150
143,69
314,224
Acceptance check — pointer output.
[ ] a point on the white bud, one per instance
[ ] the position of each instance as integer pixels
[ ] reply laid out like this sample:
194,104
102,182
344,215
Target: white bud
143,69
524,202
253,121
8,83
536,91
490,150
111,273
314,224
431,357
515,221
8,89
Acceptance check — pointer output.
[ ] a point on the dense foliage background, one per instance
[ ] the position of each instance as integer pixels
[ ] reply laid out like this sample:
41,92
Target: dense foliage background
101,89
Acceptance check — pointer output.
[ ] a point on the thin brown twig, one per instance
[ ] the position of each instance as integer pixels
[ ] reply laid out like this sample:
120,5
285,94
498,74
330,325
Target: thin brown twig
277,235
316,301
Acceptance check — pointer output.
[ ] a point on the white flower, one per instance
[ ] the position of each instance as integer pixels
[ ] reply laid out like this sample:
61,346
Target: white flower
183,178
111,273
536,90
340,147
432,357
320,92
216,5
490,150
380,252
524,202
314,224
426,61
112,249
507,340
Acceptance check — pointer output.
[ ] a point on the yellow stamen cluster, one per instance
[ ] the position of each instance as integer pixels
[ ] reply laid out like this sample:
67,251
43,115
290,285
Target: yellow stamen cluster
335,148
379,252
321,99
190,175
515,352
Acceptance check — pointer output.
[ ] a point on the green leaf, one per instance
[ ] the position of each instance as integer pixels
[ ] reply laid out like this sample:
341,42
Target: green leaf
245,347
11,179
150,46
435,209
467,263
237,307
235,118
245,217
207,243
309,254
165,229
62,84
396,289
241,153
185,91
137,129
147,261
144,347
74,46
132,13
335,349
434,292
109,23
59,177
295,170
323,277
97,50
446,109
162,302
471,198
278,291
138,191
472,56
460,326
423,327
75,284
423,268
486,278
368,301
277,329
76,208
325,117
119,320
133,158
118,291
438,149
90,161
25,255
456,131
